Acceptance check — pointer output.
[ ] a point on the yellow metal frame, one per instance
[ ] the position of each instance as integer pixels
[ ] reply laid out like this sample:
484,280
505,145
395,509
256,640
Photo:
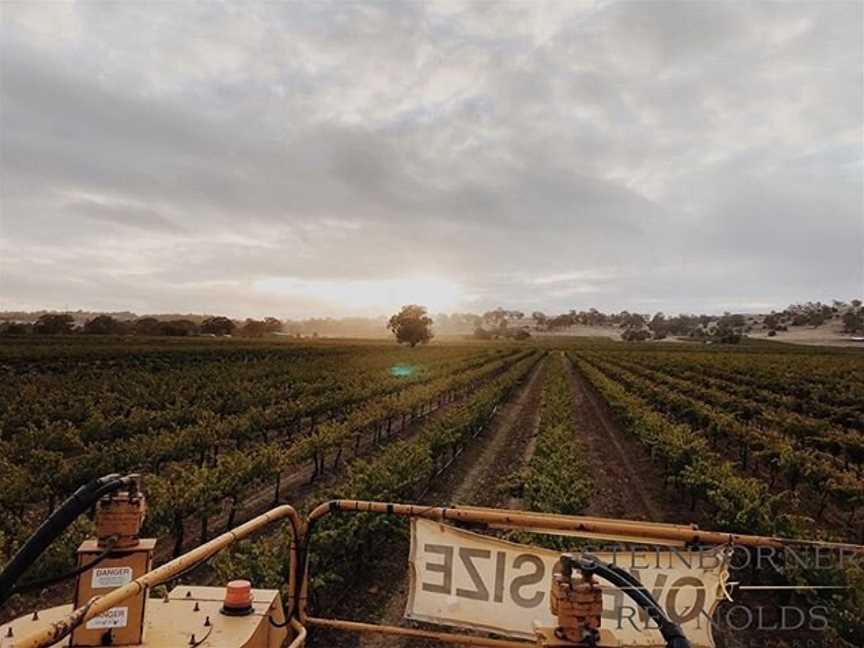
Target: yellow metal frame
298,585
100,604
592,527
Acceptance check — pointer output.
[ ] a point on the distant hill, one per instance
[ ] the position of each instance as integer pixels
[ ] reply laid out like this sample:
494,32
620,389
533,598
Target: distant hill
820,323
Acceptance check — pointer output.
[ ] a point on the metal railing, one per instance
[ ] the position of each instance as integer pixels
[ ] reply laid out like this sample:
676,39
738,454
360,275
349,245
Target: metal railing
297,603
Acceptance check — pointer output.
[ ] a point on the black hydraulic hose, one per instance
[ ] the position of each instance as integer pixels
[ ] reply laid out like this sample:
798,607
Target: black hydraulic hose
21,588
79,502
672,632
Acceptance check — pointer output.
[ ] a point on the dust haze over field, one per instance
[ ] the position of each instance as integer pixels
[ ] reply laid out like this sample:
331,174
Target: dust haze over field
334,159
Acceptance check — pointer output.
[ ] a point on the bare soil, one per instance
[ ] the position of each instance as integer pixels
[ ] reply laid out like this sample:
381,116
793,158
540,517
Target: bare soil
628,486
474,478
611,332
477,478
627,483
829,334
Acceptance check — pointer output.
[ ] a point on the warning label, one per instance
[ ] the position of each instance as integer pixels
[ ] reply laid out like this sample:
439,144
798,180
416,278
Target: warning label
114,618
110,577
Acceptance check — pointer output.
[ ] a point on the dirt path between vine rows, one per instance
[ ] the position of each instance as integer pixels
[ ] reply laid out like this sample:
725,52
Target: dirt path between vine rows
475,478
626,481
629,485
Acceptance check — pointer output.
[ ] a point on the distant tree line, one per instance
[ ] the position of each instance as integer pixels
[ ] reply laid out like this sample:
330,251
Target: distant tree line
499,323
639,326
853,318
726,328
65,324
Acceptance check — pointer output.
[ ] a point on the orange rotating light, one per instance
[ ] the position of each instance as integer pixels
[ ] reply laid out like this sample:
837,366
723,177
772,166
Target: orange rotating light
238,598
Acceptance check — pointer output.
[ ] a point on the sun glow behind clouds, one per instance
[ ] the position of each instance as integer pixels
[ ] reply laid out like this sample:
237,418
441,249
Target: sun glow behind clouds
367,295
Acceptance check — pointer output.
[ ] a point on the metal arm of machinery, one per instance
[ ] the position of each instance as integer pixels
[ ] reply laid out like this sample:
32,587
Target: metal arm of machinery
296,603
57,631
652,532
593,527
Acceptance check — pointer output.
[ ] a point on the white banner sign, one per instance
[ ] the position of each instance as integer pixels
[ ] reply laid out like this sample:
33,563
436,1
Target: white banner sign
464,579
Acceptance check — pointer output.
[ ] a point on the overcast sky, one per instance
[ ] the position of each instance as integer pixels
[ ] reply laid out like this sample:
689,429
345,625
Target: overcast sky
330,158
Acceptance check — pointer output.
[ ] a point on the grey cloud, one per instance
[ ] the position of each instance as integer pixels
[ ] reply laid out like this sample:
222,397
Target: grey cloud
677,148
125,215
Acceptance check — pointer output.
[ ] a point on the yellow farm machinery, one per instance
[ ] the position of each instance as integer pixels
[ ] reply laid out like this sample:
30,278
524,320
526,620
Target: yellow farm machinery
495,592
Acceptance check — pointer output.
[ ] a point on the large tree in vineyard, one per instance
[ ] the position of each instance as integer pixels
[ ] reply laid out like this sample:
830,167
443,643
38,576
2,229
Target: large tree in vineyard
411,325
